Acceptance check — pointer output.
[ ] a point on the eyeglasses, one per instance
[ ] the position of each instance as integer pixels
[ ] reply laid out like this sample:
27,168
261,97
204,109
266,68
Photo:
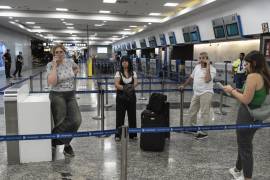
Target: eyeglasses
59,52
203,57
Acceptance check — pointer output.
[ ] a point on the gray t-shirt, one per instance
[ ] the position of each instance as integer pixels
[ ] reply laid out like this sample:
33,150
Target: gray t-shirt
65,76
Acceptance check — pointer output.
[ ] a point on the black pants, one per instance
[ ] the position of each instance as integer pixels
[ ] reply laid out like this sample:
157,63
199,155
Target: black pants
7,70
122,106
18,69
66,114
244,141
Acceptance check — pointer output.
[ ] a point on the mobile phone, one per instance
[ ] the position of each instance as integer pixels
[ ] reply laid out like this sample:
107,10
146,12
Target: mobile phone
220,86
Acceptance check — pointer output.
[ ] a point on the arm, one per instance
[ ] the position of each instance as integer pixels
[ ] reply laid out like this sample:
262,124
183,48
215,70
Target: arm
117,84
52,75
135,84
75,68
182,86
208,77
247,96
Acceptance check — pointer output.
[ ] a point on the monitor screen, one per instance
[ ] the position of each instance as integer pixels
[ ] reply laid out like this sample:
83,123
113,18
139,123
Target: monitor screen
143,43
232,29
152,41
186,37
162,39
128,46
133,45
194,36
172,38
219,32
102,50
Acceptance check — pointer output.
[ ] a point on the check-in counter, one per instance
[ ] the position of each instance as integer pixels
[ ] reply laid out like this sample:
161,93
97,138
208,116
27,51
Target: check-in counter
27,114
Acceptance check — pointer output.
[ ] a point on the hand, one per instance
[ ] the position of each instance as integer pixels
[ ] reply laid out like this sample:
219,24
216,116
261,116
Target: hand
54,62
181,87
228,89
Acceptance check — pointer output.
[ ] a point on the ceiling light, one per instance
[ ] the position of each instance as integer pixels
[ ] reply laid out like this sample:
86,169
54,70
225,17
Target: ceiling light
16,20
61,9
98,25
133,26
62,19
74,35
70,27
104,21
171,4
154,14
10,17
127,29
30,22
109,1
69,24
37,27
104,12
5,7
149,23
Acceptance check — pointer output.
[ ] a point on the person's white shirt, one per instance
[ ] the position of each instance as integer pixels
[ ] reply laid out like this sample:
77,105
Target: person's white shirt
126,80
199,85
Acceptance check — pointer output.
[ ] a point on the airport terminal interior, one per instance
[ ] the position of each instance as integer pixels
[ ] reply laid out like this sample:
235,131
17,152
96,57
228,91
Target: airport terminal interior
163,41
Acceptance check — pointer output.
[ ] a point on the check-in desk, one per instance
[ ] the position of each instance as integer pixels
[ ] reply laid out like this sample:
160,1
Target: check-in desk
27,114
224,72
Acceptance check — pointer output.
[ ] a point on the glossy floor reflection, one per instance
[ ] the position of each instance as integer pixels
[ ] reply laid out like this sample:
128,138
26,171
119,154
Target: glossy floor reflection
184,157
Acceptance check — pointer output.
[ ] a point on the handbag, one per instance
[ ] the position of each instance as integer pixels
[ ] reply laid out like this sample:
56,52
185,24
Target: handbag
262,113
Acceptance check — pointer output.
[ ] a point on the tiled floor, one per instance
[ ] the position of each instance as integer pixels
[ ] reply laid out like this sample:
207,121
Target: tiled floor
184,158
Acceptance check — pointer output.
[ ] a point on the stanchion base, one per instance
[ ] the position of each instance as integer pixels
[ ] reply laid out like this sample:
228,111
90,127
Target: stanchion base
142,98
97,118
221,113
104,136
107,105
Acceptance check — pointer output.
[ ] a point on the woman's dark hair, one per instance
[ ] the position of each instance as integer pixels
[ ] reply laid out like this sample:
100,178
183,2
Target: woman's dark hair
259,65
130,66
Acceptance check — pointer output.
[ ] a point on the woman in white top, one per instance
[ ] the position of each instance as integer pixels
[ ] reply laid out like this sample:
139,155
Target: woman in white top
65,110
125,83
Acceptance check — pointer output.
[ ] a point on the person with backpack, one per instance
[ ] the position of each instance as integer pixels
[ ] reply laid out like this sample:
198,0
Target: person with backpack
125,83
202,77
252,96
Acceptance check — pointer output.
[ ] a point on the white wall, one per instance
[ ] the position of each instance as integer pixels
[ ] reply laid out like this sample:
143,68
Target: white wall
16,42
252,12
226,51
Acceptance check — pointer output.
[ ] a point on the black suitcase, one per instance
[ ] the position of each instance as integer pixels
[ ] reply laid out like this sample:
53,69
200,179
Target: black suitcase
154,141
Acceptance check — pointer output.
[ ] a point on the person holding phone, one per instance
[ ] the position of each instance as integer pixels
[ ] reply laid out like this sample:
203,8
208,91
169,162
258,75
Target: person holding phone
253,94
65,111
202,77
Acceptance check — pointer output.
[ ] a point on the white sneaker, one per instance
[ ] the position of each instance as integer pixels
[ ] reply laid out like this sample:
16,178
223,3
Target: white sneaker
236,174
240,178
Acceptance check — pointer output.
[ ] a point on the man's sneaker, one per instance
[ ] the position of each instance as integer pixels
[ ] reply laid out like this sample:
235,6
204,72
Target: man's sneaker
240,178
68,151
235,173
201,135
117,139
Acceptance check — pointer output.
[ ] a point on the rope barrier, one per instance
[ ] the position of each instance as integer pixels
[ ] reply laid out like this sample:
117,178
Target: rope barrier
133,130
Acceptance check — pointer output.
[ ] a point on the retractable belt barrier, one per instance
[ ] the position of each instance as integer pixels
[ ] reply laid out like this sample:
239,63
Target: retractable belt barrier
17,82
133,130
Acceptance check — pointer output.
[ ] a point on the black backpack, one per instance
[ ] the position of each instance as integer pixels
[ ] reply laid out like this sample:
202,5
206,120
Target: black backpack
157,103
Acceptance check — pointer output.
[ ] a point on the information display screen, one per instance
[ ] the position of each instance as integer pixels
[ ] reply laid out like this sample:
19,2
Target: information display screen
194,36
219,32
187,37
143,43
133,45
162,40
232,29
